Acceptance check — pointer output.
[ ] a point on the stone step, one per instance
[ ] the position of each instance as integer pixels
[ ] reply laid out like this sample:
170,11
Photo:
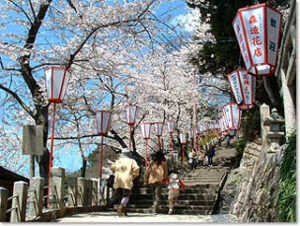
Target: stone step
179,202
179,207
165,211
188,189
182,196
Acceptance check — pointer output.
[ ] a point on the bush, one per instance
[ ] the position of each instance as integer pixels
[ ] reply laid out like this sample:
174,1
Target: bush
287,190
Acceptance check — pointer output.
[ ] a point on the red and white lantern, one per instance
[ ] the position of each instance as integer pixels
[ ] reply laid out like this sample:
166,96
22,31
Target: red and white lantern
171,126
171,130
131,113
103,119
57,79
191,133
257,29
146,128
243,87
232,115
158,126
182,138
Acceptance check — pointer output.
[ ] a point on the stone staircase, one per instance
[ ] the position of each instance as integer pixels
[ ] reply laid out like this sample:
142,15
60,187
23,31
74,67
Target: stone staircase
199,197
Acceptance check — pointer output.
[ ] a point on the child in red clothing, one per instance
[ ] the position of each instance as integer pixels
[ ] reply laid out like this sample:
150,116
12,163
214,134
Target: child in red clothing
174,184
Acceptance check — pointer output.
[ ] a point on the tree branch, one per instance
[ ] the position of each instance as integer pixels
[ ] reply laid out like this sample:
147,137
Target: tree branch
24,106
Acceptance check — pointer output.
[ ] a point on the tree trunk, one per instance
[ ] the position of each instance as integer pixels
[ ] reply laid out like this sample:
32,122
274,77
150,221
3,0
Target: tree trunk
83,168
43,160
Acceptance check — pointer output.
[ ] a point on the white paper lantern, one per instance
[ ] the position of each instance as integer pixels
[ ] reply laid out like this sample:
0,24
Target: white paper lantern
182,138
171,126
57,79
257,29
158,126
243,86
146,128
232,114
103,119
131,113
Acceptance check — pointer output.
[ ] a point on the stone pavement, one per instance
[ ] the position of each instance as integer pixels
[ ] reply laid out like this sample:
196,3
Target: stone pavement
111,217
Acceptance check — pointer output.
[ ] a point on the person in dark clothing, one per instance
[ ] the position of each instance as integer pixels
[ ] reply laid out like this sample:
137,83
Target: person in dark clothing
211,153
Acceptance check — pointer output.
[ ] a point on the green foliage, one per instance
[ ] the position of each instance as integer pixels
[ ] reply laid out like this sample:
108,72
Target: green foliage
208,138
219,14
250,127
240,146
288,190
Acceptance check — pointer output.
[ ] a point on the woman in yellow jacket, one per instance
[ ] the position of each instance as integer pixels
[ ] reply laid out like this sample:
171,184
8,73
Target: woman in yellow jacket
155,175
125,170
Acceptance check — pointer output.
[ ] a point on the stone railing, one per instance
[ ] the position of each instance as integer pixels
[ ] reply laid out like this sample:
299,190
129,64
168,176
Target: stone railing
28,200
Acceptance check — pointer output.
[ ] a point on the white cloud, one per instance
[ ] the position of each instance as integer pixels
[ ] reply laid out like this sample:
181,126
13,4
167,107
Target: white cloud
189,21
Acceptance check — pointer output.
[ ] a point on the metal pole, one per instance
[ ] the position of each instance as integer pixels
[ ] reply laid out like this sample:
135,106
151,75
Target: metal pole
159,143
171,144
51,154
129,137
101,159
182,152
197,141
146,161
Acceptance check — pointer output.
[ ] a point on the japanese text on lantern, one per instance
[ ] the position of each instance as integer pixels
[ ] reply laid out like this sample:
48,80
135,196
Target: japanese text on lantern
246,81
255,38
236,87
242,43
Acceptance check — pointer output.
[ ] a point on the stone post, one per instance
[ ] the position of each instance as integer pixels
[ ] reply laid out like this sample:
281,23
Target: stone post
274,122
36,194
57,189
19,202
88,192
72,192
81,191
3,203
94,192
264,113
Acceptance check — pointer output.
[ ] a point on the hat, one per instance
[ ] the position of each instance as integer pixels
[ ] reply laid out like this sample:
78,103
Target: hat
125,151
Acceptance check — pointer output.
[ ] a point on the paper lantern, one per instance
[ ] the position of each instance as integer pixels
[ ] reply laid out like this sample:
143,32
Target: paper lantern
171,126
191,133
158,126
182,138
243,87
232,115
57,79
131,113
257,29
146,128
103,119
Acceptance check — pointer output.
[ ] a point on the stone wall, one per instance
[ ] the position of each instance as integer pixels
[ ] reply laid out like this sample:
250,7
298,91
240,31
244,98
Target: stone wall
258,185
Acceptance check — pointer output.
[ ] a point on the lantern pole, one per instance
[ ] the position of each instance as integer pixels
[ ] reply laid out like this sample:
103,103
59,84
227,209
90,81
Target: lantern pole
159,144
171,144
146,162
101,159
197,142
129,144
51,154
182,152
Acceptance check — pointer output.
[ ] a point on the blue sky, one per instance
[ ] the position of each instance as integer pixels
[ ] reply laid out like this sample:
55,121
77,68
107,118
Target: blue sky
72,161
